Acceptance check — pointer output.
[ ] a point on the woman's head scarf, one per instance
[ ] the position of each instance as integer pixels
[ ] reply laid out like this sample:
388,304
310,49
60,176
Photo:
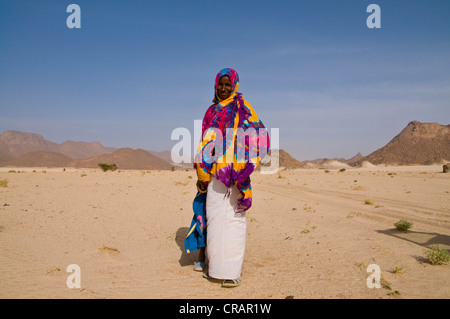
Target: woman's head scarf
234,79
233,141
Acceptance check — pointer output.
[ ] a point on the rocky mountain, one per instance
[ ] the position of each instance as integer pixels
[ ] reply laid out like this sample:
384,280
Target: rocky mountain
354,159
285,160
5,155
77,150
165,155
19,149
418,143
14,144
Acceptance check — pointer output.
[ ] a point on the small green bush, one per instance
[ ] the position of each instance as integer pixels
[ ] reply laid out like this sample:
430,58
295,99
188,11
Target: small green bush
107,167
446,168
437,255
403,225
3,183
392,174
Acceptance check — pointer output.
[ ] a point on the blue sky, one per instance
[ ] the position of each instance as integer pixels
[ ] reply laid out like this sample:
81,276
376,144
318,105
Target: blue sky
136,70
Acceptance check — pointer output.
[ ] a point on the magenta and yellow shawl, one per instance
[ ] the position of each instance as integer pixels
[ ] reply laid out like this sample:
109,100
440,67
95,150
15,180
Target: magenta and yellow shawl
234,141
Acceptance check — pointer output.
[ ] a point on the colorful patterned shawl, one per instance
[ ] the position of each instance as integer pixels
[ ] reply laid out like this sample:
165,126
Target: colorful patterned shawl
234,141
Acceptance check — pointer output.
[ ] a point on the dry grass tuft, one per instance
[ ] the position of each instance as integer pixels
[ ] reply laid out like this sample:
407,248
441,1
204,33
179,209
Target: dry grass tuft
110,250
3,183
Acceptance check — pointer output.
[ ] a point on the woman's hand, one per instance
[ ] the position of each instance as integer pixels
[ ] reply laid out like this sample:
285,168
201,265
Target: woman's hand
202,187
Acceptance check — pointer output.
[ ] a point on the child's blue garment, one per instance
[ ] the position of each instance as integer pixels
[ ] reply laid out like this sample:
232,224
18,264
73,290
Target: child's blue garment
196,238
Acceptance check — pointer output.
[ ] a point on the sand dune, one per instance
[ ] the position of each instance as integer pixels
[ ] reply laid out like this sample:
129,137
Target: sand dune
310,234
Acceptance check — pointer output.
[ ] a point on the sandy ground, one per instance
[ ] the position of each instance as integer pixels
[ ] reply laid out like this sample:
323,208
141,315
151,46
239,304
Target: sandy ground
309,234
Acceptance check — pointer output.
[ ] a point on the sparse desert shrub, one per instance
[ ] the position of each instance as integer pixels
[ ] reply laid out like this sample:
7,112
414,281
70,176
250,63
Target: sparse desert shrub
3,183
342,170
446,168
281,176
403,225
397,270
437,255
368,202
392,174
107,167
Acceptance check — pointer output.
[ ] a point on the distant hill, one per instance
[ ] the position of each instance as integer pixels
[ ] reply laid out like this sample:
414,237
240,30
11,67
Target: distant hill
14,144
124,158
5,155
21,149
349,161
39,159
354,159
165,155
418,143
77,150
285,160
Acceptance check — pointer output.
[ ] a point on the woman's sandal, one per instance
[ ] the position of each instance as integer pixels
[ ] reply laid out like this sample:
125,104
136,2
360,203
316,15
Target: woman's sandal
211,279
227,283
231,283
205,275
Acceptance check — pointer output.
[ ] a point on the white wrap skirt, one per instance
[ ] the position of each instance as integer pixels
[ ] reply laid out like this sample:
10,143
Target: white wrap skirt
226,231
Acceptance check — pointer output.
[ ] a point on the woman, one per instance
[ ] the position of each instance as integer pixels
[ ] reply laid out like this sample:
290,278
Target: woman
233,141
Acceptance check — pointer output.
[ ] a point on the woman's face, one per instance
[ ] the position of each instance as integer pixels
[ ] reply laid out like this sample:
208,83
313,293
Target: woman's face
224,88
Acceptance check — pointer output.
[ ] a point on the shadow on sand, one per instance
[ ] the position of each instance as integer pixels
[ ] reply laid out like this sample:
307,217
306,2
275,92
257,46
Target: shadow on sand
185,258
420,238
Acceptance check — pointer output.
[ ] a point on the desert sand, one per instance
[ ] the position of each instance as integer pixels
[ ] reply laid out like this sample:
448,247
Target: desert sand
309,234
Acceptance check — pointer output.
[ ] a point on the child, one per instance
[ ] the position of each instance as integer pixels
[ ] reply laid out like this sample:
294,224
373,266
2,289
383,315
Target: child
196,238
